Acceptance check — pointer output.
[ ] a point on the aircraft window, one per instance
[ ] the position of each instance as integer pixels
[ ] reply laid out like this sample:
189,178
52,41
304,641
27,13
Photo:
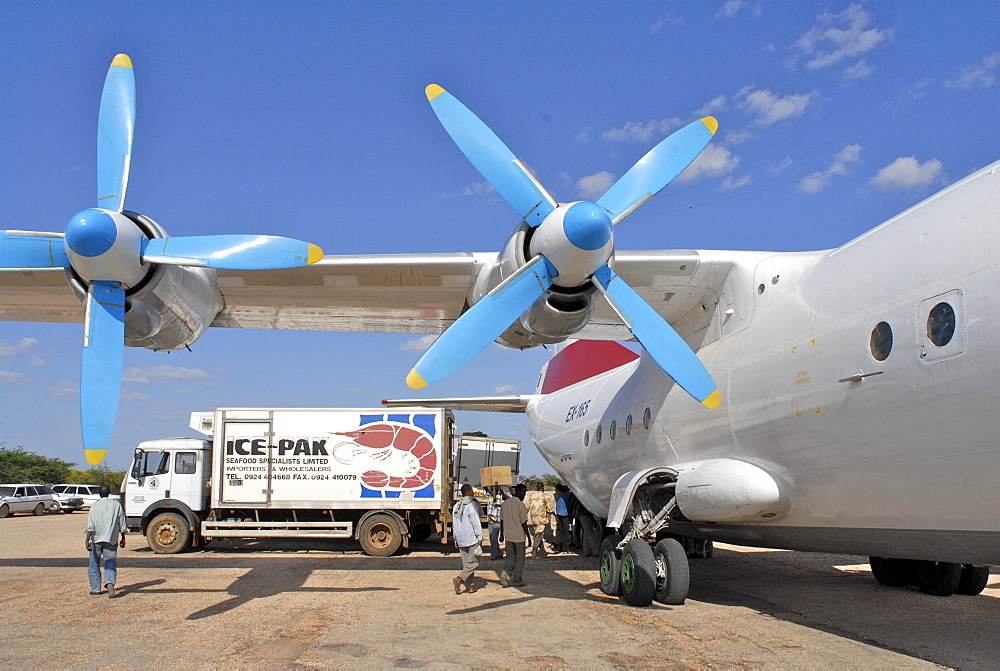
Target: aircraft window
612,430
646,419
628,425
586,438
760,289
597,434
881,341
941,324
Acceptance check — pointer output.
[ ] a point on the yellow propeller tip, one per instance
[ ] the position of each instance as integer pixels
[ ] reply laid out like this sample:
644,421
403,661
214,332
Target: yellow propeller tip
94,457
122,61
711,123
414,381
713,401
315,254
433,91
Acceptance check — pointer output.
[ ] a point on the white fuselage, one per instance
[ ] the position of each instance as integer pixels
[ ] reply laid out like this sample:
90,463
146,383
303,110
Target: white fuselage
903,463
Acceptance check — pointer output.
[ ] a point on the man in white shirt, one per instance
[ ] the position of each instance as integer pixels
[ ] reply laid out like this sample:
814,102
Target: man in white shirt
105,525
468,531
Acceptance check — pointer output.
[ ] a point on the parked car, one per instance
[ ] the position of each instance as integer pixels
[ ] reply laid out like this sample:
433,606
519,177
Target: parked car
36,499
68,503
89,493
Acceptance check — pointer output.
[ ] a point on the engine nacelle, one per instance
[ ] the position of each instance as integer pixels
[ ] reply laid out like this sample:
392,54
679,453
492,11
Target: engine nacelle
171,307
728,490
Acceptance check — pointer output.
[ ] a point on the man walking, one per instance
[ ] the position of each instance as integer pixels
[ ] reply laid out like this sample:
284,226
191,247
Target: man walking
468,531
541,507
493,519
514,515
105,525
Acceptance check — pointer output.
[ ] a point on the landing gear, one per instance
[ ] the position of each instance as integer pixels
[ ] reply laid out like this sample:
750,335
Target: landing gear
673,577
974,579
939,578
892,572
611,563
638,573
934,578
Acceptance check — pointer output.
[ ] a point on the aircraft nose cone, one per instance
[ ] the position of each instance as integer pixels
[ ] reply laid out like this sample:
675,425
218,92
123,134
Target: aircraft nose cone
587,226
91,232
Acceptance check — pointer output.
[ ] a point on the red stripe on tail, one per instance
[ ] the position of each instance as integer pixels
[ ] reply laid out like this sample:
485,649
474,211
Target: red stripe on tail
582,360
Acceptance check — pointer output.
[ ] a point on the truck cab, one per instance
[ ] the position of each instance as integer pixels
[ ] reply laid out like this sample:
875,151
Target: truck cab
167,491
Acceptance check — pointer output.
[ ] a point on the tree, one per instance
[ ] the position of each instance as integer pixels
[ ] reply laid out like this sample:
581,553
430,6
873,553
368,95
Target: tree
19,465
548,479
98,475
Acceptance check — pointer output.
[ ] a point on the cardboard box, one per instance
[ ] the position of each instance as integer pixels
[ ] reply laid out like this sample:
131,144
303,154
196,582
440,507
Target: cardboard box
495,475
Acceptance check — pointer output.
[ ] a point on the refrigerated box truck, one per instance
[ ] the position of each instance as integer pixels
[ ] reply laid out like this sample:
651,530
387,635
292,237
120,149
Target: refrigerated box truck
477,452
383,478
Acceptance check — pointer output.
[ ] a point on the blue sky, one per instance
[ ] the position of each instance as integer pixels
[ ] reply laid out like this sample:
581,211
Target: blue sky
309,120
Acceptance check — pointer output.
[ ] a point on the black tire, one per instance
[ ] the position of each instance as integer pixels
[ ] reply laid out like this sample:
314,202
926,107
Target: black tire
893,572
168,534
421,532
611,565
4,510
380,536
974,579
940,578
39,509
638,573
673,575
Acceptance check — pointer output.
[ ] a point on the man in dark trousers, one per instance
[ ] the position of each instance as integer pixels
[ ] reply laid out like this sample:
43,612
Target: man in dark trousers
514,515
105,525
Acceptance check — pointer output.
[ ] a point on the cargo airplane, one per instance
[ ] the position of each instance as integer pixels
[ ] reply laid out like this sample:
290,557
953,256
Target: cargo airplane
834,401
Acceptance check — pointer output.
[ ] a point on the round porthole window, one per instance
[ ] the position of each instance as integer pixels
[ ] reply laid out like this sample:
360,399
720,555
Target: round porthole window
941,324
612,430
647,419
881,341
628,425
597,434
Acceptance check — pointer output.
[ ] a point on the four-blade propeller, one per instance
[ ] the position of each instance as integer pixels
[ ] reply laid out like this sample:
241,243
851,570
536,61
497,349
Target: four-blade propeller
571,246
111,254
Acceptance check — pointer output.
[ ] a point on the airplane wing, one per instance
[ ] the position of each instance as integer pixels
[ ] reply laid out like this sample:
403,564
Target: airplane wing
475,403
389,293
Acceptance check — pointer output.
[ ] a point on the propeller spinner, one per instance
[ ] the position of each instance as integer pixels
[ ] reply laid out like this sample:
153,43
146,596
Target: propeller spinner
111,254
571,246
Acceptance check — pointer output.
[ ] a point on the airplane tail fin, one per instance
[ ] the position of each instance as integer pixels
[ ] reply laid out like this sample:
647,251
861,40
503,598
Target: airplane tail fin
581,360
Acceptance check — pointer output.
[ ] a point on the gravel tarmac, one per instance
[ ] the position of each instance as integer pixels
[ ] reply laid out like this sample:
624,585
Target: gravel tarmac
318,604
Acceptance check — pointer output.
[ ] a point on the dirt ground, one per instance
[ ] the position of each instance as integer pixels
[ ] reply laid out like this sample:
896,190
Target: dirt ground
324,604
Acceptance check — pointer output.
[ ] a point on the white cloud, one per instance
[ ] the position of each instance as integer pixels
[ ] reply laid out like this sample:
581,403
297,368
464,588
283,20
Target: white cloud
66,389
768,108
859,70
729,183
11,376
418,344
712,106
780,166
840,36
593,186
732,7
478,189
163,372
505,389
976,75
8,350
668,20
36,361
133,396
642,131
716,160
906,172
843,162
737,137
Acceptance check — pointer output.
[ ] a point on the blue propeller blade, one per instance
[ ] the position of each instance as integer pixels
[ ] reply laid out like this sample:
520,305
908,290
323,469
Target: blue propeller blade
667,348
101,369
491,157
114,134
482,323
232,252
27,249
658,168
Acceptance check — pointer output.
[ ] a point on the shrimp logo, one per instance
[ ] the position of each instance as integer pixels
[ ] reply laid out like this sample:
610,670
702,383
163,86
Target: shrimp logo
392,456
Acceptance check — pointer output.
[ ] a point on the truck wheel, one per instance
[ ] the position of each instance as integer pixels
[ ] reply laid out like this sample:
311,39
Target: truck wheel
168,534
380,536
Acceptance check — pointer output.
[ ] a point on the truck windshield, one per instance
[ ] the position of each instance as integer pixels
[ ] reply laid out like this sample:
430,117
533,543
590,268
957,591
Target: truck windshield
150,463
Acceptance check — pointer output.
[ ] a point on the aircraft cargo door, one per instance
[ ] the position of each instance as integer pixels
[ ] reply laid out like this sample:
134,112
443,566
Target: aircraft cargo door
246,463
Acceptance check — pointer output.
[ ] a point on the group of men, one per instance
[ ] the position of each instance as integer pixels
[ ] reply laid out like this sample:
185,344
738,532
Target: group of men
516,517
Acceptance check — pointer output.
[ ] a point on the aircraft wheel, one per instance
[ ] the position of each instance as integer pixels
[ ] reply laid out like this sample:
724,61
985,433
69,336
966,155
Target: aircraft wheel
673,577
611,563
892,572
638,573
940,578
974,579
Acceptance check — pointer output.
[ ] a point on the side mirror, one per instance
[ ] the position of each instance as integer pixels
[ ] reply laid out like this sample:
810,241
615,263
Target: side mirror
137,465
